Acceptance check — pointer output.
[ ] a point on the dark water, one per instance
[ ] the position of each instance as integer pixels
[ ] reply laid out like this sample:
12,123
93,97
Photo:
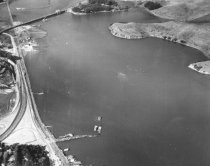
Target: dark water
155,110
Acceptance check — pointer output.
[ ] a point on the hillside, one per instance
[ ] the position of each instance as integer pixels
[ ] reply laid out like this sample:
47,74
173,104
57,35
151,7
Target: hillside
182,10
193,35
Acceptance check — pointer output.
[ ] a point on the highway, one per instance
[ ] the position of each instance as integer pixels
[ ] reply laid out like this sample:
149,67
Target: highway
22,101
27,126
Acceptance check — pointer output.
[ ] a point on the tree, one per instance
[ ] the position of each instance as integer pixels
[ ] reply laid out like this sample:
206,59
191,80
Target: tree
8,55
152,5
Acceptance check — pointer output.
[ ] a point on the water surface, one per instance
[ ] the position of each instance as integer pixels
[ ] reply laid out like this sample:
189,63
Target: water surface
155,110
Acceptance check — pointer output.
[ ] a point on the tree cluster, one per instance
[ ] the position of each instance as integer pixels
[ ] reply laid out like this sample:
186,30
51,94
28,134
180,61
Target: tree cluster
5,41
152,5
91,8
23,155
7,71
105,2
96,6
8,55
7,74
173,39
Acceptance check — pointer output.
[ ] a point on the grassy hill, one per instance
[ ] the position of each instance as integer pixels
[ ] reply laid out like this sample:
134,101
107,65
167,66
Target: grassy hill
182,10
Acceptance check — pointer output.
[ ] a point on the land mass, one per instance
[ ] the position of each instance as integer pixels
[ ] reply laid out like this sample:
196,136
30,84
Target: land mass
187,26
201,67
193,35
180,10
96,6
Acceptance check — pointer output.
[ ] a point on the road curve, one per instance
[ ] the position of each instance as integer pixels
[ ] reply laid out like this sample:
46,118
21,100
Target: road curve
22,101
28,105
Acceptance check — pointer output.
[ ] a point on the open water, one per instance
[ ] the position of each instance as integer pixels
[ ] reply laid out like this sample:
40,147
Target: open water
155,111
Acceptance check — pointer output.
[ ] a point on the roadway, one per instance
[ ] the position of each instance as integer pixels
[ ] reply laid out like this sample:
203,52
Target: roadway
27,127
19,110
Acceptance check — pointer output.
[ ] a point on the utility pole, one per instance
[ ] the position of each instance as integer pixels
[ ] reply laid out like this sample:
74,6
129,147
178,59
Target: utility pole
10,14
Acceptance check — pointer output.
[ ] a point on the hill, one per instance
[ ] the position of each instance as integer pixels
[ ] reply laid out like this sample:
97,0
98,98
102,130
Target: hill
182,10
190,34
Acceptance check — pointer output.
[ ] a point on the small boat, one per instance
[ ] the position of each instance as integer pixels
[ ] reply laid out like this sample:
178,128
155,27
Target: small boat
99,118
66,149
97,129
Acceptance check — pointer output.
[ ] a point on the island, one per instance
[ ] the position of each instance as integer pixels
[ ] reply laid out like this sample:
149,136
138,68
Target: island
96,6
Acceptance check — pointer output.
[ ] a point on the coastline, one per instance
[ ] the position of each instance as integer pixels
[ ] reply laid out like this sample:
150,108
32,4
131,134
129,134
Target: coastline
30,121
83,14
178,32
192,35
201,67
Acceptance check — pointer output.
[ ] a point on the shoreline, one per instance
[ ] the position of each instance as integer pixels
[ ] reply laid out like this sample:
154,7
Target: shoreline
201,67
131,32
84,14
191,35
37,133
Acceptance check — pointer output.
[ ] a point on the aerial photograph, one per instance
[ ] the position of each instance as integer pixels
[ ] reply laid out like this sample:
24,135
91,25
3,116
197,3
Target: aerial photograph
104,82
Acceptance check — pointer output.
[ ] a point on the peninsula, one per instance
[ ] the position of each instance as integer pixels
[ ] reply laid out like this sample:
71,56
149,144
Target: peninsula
193,34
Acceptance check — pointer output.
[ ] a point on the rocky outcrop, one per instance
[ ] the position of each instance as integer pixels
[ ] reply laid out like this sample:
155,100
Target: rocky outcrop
7,66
